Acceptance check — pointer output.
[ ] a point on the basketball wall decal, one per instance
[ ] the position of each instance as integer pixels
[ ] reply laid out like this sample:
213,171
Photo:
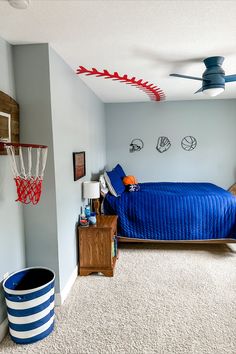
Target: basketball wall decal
189,143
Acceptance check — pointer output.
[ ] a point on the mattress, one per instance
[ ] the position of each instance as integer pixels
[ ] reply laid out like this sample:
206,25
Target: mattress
174,211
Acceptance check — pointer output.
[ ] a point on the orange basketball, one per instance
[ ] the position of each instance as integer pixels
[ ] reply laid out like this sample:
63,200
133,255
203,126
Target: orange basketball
129,180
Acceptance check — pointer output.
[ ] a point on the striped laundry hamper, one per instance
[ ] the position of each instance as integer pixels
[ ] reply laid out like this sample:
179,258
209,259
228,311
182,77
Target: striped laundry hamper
29,297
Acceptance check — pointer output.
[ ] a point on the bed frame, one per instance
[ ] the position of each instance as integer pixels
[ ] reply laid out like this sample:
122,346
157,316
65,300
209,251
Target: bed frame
134,240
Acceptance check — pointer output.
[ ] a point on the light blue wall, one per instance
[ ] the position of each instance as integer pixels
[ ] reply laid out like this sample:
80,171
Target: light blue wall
57,110
12,246
212,122
78,120
31,64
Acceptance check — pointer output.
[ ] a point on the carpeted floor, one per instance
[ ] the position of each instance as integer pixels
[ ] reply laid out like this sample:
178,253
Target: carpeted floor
164,299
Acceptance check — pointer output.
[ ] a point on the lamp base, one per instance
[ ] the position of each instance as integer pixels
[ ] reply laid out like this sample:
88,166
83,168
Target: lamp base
96,206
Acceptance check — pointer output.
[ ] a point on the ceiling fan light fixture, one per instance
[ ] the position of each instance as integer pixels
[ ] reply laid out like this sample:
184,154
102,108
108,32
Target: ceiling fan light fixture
19,4
212,92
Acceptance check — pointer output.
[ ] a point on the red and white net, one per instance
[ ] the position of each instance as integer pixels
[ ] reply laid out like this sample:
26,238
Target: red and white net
28,184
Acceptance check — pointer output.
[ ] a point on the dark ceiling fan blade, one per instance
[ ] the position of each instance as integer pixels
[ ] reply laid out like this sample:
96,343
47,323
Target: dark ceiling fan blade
200,90
230,78
162,58
187,77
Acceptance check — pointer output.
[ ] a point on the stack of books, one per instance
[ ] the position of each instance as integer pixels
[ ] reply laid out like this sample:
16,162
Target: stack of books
114,247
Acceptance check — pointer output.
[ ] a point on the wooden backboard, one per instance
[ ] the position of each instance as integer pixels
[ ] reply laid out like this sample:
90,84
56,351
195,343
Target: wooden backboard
9,120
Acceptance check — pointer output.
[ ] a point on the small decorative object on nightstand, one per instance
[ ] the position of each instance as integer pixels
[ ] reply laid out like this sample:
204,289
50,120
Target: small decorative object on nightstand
98,246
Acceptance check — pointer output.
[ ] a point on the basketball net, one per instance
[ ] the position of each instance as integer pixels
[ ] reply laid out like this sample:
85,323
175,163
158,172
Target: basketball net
28,185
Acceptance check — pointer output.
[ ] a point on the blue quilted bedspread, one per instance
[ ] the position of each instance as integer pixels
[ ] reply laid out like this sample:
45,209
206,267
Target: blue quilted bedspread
174,211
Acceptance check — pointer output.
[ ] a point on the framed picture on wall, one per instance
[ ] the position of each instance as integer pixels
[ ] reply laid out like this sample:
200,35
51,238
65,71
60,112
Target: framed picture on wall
79,165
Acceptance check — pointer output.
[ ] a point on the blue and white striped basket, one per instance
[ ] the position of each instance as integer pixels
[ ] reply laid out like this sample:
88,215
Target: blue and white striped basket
29,297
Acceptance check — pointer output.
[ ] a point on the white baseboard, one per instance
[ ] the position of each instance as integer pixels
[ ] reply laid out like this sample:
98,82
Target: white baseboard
3,329
60,297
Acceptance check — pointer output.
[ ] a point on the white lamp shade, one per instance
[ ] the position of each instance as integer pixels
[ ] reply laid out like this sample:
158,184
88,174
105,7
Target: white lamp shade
91,190
212,92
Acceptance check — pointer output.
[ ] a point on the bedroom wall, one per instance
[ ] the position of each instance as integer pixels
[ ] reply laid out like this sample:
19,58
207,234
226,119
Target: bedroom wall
58,110
12,246
78,121
212,122
31,64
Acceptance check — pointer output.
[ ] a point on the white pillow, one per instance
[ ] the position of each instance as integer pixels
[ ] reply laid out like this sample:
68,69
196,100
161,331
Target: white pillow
109,184
103,185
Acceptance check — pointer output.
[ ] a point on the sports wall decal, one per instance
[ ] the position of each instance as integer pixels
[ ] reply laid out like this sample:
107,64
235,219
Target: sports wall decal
163,144
154,92
136,145
189,143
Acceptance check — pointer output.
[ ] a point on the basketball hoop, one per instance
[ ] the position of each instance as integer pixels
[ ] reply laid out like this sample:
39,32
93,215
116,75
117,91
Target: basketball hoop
28,184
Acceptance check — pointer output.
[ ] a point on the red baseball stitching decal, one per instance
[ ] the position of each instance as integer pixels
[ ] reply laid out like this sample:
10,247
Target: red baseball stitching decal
154,92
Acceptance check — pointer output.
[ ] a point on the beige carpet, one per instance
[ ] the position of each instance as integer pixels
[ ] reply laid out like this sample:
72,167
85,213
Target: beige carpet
163,299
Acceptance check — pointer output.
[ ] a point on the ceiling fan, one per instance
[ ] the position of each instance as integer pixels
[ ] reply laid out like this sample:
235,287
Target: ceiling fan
213,79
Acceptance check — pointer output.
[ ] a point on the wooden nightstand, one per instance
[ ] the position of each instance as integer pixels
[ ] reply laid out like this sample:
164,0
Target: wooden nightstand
95,246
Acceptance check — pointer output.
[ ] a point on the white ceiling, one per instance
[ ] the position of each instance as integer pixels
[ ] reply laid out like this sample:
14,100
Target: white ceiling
146,39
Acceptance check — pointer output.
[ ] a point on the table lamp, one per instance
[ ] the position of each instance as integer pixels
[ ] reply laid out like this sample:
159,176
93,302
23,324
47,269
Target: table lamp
91,190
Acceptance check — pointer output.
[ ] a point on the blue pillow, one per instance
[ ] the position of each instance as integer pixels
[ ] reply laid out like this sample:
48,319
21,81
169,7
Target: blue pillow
114,183
119,170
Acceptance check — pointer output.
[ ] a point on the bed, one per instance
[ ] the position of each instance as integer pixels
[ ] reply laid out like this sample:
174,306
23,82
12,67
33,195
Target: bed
179,212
